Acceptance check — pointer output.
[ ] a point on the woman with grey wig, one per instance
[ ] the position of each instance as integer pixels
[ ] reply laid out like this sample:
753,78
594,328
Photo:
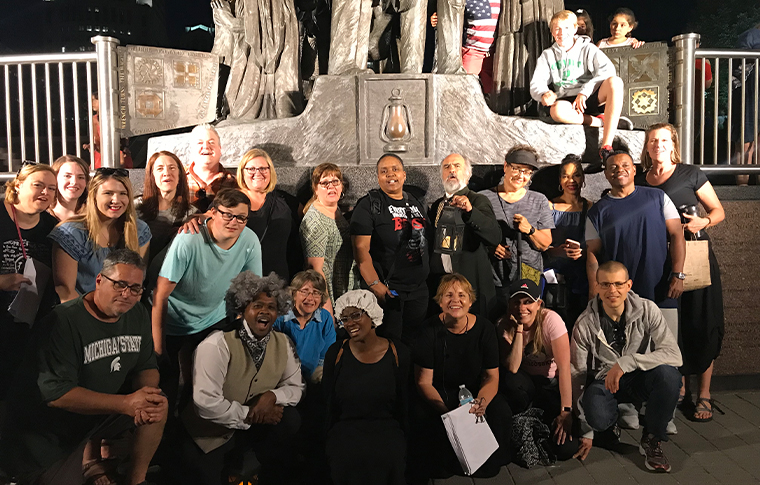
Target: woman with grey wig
365,380
246,383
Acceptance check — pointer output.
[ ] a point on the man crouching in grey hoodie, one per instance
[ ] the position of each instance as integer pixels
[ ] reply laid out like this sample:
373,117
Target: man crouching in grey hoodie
623,352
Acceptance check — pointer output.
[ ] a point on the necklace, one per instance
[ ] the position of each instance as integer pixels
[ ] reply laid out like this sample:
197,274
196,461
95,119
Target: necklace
466,324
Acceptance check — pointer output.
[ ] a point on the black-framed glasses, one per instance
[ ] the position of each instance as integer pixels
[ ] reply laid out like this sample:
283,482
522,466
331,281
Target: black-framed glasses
528,172
120,286
108,171
330,183
228,216
353,317
252,170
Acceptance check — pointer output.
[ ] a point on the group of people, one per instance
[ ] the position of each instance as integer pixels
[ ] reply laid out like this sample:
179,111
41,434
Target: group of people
218,316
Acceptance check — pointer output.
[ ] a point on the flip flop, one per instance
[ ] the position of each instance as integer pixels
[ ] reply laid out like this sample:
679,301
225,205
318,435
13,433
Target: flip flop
705,405
96,471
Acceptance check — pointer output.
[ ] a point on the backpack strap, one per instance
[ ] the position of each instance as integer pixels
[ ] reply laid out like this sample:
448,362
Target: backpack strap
395,353
340,352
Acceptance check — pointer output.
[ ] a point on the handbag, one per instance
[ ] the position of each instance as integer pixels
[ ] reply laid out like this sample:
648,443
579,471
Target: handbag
696,265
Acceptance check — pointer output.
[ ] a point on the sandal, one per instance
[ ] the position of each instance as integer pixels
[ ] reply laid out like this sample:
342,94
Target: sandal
705,405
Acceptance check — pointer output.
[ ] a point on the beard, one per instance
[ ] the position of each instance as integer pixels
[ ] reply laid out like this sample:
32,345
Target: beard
452,186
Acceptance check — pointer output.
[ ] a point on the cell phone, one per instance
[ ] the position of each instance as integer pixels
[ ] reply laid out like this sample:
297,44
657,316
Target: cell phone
572,243
394,292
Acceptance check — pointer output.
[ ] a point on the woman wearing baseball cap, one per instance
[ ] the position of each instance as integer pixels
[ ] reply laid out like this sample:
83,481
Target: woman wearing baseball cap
534,351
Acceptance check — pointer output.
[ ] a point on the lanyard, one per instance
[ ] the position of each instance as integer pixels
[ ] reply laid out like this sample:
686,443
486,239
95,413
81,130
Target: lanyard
18,230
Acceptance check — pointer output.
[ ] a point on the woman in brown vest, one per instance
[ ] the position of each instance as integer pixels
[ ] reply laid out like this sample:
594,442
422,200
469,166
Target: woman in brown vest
246,383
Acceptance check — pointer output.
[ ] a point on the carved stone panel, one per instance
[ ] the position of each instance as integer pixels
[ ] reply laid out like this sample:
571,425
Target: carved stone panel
646,76
412,98
163,89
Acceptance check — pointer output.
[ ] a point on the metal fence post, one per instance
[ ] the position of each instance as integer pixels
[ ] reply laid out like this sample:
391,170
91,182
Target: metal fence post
683,92
105,48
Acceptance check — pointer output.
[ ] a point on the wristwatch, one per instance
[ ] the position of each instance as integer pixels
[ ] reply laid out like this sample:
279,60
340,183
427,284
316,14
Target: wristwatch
567,409
680,276
374,283
532,231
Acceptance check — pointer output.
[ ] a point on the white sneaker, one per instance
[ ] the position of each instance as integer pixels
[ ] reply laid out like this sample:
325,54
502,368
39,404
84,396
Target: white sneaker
625,123
671,429
628,417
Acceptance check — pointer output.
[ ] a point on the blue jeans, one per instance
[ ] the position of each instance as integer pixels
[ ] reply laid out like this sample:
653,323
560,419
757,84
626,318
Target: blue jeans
658,387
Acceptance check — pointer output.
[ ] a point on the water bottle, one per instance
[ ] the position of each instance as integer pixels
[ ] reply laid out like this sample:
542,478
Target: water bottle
465,395
690,209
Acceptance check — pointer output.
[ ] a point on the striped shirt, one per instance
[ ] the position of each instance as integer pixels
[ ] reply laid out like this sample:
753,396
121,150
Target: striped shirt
481,18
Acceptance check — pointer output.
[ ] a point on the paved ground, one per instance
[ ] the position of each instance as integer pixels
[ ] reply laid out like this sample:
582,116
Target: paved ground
724,451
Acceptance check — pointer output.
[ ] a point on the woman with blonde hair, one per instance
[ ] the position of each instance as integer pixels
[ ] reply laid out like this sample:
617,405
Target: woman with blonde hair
700,312
325,233
24,227
534,350
109,222
72,174
273,215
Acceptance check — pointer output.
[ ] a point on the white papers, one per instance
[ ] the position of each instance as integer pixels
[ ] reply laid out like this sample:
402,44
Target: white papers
551,277
24,306
473,442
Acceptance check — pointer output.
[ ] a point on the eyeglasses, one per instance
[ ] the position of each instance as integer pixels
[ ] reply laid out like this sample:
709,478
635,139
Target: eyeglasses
528,172
228,216
305,293
252,170
606,285
108,171
120,286
354,317
330,183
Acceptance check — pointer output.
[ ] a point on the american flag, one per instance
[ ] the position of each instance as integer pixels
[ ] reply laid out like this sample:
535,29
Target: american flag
481,17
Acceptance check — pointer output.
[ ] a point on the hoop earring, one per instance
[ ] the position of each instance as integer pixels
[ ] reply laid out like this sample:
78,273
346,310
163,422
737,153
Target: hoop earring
560,188
342,194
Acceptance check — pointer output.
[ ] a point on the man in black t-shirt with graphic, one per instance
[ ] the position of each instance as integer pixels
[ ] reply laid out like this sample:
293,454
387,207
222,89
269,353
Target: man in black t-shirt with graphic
388,234
74,388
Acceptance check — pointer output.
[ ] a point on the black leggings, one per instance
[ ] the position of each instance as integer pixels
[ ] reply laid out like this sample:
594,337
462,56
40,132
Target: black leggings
522,390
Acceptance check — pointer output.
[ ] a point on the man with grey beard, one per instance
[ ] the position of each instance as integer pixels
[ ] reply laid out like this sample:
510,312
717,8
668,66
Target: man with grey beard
481,230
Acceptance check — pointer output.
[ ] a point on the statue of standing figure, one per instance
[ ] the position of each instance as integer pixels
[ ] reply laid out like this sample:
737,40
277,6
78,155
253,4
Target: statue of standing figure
259,40
522,34
350,33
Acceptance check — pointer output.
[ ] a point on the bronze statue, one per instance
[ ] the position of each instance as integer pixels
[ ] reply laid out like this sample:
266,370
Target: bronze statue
259,41
523,33
350,34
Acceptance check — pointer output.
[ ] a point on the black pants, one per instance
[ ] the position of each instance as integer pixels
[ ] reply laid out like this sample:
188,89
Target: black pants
180,349
522,390
404,314
271,443
431,455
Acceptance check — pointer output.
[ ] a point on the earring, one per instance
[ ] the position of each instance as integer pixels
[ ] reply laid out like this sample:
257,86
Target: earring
342,194
560,188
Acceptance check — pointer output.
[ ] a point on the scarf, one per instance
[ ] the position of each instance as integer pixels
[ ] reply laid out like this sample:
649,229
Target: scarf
256,347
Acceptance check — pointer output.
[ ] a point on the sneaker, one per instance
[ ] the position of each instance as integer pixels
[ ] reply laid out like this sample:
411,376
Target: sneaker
671,429
654,458
625,123
608,438
628,417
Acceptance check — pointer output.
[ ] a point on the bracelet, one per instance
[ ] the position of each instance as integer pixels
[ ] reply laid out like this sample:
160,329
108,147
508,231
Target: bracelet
374,283
709,221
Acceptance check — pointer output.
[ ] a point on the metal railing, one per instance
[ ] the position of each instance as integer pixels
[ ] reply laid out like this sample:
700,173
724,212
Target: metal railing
711,118
47,107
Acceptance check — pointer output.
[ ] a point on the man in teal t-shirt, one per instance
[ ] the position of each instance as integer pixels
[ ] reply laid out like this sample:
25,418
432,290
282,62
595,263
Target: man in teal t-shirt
188,302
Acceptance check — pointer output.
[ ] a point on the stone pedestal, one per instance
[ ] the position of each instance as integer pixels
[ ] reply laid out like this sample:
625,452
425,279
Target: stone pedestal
446,114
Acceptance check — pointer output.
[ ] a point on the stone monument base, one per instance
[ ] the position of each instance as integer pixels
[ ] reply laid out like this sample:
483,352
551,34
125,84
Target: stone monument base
445,114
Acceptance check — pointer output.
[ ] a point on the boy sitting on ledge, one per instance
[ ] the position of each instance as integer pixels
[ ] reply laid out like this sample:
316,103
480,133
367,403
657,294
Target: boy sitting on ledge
577,82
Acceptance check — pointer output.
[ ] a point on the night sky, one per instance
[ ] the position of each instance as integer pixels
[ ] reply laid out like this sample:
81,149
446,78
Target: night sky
658,19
